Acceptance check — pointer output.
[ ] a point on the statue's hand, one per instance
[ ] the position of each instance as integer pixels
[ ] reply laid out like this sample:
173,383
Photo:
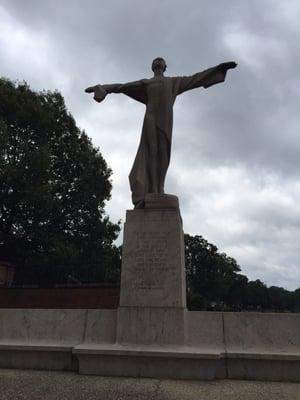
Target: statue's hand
227,65
90,89
99,92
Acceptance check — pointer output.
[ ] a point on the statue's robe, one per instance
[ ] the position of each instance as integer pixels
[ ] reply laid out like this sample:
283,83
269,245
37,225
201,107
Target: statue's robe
153,156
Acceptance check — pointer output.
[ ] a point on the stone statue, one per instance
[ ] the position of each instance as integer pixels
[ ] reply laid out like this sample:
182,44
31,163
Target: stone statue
158,94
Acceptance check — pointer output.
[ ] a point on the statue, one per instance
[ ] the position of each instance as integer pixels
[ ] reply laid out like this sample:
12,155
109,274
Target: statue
158,94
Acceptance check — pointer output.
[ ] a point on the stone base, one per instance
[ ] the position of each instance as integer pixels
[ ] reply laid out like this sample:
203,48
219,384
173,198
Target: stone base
153,273
151,325
42,357
153,291
150,362
161,201
262,367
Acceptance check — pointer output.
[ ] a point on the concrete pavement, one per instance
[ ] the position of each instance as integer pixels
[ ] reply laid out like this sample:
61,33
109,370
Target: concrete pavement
51,385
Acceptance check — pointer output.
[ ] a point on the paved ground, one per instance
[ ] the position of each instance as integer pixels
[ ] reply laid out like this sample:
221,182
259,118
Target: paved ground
41,385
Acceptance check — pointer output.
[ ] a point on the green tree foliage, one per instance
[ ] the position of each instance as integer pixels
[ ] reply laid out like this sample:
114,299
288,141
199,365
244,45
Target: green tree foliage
295,300
210,274
214,282
53,186
257,295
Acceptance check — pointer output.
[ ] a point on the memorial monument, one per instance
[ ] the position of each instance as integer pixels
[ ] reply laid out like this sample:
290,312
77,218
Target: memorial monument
153,289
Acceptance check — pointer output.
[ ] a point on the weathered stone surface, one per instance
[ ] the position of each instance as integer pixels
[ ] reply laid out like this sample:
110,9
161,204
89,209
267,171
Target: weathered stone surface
262,346
149,367
264,369
269,332
153,273
204,329
40,339
153,291
150,361
38,325
101,326
161,201
225,345
38,358
151,325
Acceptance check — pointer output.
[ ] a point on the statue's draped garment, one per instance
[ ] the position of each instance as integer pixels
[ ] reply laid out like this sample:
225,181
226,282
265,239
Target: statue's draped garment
158,94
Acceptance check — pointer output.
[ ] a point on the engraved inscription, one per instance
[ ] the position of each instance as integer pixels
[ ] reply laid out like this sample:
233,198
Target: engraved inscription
152,261
151,264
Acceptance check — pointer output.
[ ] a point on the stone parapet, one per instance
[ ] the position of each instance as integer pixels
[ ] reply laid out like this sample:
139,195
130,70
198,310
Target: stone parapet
218,345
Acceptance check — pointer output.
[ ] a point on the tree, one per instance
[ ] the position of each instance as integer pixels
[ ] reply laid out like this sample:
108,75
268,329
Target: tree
53,185
279,298
295,300
257,295
214,282
211,275
236,297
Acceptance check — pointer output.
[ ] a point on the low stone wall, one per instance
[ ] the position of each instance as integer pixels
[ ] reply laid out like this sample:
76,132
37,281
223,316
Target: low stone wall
45,339
233,345
270,331
262,346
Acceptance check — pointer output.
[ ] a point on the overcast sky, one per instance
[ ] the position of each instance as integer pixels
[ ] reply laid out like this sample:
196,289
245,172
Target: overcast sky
236,146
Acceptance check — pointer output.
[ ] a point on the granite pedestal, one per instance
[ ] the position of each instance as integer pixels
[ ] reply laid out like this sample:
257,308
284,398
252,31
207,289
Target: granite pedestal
151,332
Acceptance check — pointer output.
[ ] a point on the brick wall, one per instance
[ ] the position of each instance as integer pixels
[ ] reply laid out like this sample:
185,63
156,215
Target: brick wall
79,297
7,272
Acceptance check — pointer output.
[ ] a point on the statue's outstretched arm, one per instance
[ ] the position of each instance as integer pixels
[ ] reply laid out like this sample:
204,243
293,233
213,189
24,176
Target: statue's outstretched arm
206,78
100,91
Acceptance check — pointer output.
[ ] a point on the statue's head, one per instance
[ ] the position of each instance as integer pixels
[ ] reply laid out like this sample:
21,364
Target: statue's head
159,64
